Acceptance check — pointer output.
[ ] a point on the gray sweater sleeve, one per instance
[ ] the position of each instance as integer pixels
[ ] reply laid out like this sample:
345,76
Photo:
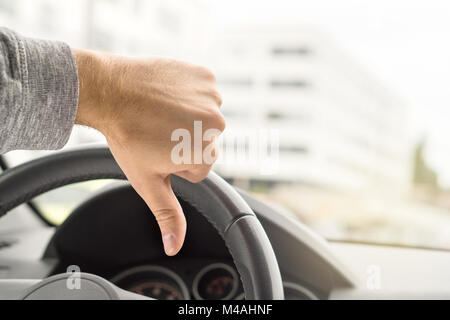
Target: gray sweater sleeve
38,93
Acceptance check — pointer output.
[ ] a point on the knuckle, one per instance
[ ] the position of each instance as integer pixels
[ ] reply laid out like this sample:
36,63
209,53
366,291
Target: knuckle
200,173
164,215
220,122
217,97
209,75
215,119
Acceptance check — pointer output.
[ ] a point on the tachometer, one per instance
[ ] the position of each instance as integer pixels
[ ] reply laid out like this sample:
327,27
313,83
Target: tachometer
217,281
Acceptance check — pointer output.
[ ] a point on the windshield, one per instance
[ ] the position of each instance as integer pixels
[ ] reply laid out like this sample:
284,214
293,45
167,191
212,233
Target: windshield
349,100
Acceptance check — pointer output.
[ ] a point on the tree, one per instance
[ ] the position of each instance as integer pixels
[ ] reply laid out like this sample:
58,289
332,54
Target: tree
423,174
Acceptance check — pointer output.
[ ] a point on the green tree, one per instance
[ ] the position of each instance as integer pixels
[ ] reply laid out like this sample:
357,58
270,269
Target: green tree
423,174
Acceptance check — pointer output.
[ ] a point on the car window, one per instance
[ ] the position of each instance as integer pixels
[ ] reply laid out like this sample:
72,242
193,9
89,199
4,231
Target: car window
336,110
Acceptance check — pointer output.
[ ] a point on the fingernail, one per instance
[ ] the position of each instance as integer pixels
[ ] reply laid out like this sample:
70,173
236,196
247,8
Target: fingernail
169,244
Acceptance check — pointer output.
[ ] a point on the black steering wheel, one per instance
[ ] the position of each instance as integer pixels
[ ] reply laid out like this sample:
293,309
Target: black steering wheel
222,206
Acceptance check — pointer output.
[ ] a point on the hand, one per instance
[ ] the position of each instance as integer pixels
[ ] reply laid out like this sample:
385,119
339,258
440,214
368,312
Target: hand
137,104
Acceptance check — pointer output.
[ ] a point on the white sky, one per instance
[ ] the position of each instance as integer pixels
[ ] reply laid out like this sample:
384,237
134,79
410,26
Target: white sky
405,43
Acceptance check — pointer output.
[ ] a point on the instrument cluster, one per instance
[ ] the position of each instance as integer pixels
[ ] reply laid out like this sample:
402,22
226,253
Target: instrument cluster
208,281
215,281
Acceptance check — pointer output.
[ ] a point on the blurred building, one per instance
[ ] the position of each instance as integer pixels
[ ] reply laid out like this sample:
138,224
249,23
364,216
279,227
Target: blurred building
168,28
339,126
137,27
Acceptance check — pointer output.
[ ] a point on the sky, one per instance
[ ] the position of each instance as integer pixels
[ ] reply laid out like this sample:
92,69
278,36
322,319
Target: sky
405,43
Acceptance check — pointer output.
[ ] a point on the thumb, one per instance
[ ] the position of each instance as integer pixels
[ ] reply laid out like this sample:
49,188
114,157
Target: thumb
161,200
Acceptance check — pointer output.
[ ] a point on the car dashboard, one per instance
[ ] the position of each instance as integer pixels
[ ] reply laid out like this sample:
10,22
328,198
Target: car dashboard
114,235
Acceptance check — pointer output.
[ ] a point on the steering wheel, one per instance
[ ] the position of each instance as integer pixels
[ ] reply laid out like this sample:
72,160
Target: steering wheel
221,205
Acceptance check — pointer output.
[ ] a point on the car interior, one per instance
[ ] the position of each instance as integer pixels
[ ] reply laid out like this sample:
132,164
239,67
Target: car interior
237,247
345,106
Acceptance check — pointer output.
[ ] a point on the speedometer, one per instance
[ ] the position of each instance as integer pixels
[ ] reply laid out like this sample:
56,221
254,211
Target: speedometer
154,282
217,281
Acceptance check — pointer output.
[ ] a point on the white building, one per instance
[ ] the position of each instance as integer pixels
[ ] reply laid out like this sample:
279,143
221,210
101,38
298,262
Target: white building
137,27
338,126
168,28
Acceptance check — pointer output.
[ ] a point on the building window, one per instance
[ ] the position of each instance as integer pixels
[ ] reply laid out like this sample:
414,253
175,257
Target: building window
291,51
294,149
235,114
236,82
274,115
280,84
281,116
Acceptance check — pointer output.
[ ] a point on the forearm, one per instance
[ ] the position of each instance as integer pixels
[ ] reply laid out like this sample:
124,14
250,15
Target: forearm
138,104
38,93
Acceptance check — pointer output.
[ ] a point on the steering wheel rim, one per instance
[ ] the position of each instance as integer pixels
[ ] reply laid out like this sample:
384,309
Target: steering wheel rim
221,205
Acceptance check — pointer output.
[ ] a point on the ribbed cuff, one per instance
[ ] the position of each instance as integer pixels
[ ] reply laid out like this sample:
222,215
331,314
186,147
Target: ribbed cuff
50,93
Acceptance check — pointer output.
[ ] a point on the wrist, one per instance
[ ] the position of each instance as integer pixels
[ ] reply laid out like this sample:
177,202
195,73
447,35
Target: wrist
92,90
